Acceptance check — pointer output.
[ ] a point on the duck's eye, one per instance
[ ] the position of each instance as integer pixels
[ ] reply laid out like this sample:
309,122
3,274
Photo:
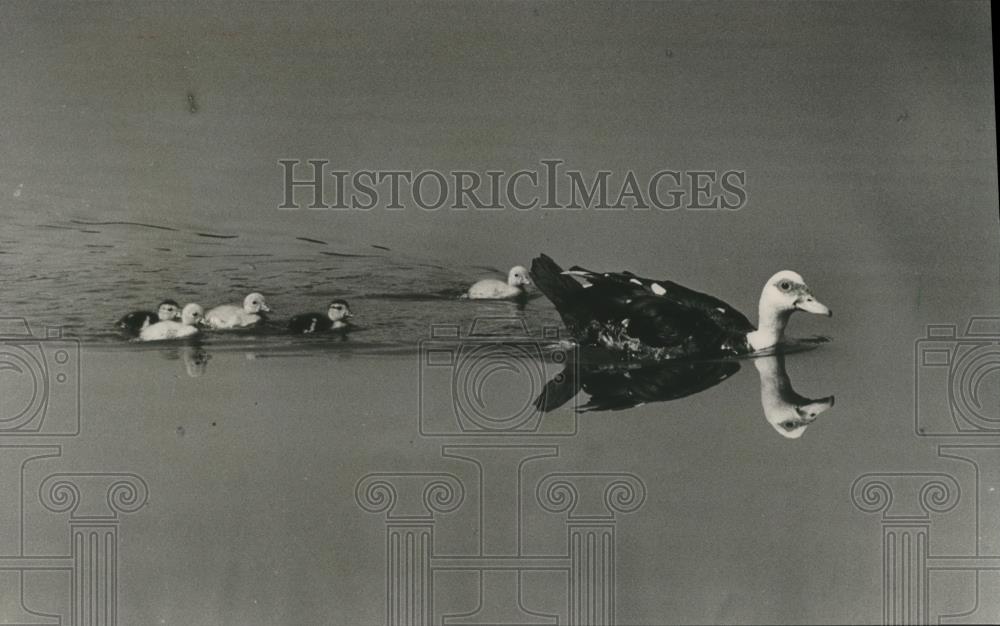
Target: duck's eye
785,285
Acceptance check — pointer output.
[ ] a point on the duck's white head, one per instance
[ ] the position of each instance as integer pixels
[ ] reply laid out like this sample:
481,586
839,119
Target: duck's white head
787,412
192,314
254,303
786,291
518,276
783,294
168,310
339,310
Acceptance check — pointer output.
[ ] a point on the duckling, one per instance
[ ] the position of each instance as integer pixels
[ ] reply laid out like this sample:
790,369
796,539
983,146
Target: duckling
787,412
336,318
661,319
227,316
493,289
135,321
191,315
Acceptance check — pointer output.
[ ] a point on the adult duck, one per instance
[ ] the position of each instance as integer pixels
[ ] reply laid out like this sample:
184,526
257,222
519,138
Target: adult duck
661,319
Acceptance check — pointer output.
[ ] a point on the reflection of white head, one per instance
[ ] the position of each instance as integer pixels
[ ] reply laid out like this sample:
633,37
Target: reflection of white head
518,276
788,412
783,294
254,303
192,314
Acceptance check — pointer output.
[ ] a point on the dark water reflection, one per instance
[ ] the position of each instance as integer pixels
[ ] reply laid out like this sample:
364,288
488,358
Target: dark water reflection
607,383
617,387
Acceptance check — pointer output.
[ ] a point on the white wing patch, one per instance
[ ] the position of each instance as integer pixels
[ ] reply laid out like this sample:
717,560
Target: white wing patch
658,289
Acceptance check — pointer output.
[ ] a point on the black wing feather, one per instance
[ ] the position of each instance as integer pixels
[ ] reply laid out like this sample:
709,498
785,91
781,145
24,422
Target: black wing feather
662,323
622,311
724,315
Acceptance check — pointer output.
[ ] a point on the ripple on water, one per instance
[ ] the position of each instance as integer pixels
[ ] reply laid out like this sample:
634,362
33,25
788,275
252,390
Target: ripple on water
133,265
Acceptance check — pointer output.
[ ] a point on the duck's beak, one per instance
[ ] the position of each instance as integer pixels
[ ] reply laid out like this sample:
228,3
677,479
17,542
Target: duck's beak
809,304
809,412
265,308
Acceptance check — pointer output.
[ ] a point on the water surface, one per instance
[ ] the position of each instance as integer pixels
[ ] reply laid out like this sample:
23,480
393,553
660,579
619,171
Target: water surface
867,133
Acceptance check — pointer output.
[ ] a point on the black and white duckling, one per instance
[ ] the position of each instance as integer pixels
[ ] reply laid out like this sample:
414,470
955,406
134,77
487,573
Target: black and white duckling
336,318
191,316
662,319
493,289
786,411
135,321
227,316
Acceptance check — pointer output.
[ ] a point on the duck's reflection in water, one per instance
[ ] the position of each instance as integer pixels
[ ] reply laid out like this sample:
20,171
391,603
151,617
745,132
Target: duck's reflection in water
194,357
788,412
195,360
617,387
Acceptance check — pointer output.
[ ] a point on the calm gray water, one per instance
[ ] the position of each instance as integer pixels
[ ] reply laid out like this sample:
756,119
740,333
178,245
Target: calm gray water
279,479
